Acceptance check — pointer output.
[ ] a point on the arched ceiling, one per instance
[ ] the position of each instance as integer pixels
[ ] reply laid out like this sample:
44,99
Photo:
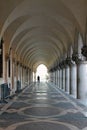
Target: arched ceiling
41,31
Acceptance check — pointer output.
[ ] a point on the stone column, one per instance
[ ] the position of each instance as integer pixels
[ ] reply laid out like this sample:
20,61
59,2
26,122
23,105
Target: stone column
53,77
62,75
71,73
82,76
22,76
35,77
13,71
15,75
11,68
68,75
67,78
50,76
77,58
73,80
61,78
58,77
63,83
82,81
28,76
6,69
4,64
17,70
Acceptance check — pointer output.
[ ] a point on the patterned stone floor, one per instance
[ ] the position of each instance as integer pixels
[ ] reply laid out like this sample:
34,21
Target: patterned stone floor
43,107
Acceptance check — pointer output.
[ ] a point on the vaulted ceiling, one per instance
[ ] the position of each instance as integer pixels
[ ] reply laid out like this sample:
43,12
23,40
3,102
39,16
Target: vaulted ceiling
41,31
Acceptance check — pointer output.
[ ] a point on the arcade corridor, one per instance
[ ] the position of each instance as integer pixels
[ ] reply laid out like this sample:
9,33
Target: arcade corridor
52,33
41,107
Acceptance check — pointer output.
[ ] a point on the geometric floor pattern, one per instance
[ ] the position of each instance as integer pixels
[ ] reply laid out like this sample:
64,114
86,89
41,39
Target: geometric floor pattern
43,107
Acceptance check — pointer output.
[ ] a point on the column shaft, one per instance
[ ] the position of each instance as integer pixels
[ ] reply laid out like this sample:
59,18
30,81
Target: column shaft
63,79
67,79
73,80
82,80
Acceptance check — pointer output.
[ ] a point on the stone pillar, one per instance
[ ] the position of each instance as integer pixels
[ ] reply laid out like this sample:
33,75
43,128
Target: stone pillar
13,71
82,81
53,77
19,72
62,74
22,76
28,76
67,78
58,78
35,77
50,76
63,78
6,69
82,76
73,80
15,75
4,65
11,68
18,77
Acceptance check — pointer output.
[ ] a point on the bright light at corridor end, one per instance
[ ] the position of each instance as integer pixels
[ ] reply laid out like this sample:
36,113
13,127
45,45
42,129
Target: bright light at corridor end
42,73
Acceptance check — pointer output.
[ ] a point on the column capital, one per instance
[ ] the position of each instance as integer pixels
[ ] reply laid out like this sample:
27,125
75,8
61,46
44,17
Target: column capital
76,57
84,50
62,64
69,61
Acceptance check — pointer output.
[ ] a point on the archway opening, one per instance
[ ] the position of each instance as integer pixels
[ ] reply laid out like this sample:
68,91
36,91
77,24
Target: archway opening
42,72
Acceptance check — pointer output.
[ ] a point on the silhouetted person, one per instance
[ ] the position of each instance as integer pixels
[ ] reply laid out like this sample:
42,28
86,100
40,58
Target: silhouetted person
38,79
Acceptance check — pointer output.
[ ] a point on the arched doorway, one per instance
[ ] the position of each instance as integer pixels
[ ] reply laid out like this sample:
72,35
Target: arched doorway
42,72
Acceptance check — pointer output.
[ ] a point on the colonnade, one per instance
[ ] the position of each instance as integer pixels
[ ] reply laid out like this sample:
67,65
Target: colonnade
14,71
71,77
70,72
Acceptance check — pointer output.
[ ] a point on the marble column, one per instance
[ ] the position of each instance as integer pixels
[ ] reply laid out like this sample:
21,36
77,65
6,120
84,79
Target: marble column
63,83
82,81
58,78
73,80
61,78
4,64
11,69
28,76
67,78
15,75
